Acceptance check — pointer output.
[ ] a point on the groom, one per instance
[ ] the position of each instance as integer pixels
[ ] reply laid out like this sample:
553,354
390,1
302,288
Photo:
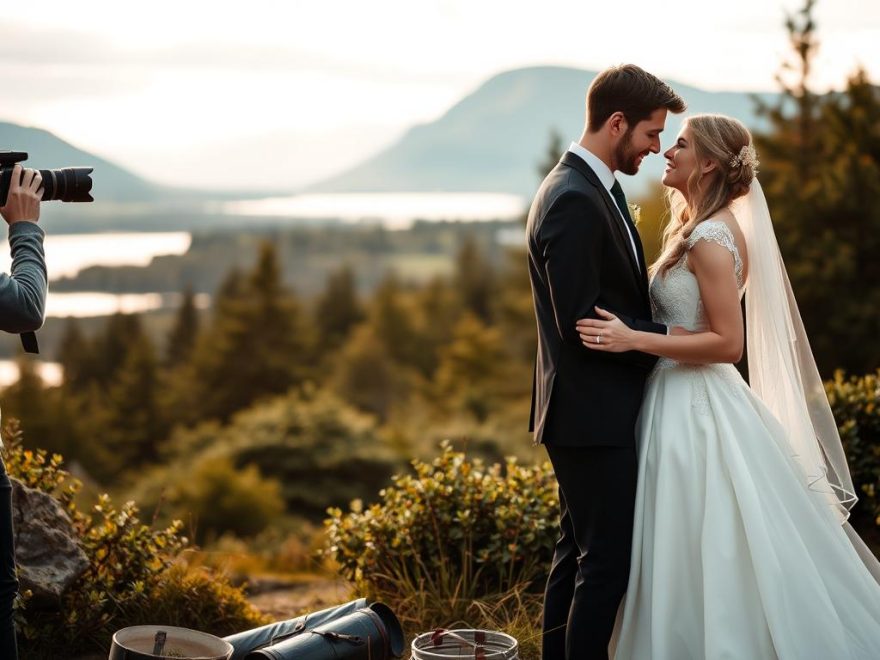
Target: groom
584,252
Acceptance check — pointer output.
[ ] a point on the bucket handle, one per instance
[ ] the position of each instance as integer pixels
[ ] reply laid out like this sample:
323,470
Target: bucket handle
476,645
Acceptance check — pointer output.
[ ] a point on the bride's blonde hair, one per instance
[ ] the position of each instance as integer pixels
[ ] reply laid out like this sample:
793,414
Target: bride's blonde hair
727,143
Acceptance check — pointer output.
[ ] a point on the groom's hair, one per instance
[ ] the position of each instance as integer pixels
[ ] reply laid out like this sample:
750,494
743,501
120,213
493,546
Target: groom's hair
631,90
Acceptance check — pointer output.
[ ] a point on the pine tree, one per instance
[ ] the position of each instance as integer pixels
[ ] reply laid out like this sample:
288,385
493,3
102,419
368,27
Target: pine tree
75,353
820,169
337,310
257,344
26,401
552,155
471,367
182,338
475,280
135,425
393,322
111,347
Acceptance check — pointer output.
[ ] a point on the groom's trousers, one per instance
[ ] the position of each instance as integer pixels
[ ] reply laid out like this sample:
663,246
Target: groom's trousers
590,570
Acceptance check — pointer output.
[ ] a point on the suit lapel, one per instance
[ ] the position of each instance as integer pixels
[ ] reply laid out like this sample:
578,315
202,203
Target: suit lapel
577,163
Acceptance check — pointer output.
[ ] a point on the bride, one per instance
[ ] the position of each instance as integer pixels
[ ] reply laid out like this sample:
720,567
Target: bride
741,547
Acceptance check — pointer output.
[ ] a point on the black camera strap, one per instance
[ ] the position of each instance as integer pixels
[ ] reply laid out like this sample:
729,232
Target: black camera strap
29,342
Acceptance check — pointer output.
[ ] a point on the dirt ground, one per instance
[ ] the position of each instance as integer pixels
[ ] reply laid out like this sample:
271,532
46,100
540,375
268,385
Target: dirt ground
289,598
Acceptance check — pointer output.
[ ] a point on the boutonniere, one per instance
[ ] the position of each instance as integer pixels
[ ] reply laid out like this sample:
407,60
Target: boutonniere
636,212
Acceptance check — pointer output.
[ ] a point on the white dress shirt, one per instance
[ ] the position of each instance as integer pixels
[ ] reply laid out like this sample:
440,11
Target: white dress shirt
606,176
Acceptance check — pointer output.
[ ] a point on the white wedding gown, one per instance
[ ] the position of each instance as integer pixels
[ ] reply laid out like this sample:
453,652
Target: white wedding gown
733,555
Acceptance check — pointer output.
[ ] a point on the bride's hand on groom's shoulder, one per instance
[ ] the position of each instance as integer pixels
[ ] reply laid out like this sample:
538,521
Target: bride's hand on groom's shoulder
607,333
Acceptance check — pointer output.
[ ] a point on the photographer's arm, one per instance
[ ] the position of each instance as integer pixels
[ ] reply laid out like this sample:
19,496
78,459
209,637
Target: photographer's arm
23,293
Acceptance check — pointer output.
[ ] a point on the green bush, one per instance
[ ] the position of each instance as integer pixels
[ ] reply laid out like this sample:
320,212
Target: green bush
855,402
453,534
319,449
221,498
131,578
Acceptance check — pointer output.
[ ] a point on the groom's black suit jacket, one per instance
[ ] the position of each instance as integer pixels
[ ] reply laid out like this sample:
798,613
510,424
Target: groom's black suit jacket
580,256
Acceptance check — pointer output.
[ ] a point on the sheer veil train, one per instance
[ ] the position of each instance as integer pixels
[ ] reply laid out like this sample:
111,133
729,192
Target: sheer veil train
782,369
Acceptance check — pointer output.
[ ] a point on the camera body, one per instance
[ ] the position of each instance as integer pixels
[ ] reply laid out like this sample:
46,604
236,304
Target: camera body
68,184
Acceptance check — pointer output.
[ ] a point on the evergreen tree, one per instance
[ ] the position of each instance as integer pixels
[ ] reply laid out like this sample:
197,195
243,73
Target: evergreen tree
554,152
365,375
337,310
26,401
75,353
439,309
472,367
135,425
475,280
393,322
182,338
820,169
111,347
256,345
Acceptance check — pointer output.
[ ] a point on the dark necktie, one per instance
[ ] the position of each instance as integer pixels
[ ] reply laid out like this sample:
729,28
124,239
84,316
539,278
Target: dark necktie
620,198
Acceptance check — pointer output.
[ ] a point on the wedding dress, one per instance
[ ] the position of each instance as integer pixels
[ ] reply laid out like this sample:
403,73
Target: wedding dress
735,554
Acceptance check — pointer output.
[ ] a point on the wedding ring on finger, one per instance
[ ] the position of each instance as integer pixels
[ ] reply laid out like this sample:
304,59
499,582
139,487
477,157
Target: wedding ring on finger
598,339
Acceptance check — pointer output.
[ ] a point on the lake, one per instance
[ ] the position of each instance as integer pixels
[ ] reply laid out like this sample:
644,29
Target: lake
50,372
67,254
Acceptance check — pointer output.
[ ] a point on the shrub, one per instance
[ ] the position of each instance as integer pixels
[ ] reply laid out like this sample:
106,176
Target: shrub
131,578
222,498
855,402
320,450
454,534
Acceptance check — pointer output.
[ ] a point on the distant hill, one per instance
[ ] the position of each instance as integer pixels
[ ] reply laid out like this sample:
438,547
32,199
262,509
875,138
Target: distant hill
109,181
493,139
124,201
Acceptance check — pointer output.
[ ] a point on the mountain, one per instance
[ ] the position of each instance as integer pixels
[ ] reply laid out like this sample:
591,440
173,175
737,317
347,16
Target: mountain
46,151
494,138
124,201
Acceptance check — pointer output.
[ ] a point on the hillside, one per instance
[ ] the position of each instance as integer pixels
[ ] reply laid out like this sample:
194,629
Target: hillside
493,138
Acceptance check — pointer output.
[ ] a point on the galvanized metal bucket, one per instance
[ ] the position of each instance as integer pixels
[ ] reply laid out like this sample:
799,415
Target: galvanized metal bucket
155,642
465,644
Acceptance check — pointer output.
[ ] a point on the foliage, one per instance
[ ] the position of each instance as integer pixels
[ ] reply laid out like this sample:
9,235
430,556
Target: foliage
320,450
855,402
199,598
183,335
257,345
453,533
337,309
221,498
820,170
130,579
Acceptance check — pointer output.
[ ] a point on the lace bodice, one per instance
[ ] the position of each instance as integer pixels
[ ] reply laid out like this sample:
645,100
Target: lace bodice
675,296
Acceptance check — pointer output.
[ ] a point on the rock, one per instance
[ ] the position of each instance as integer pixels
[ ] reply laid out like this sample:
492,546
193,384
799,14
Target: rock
47,551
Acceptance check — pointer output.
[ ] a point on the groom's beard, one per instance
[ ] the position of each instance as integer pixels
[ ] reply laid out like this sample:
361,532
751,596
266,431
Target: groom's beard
625,156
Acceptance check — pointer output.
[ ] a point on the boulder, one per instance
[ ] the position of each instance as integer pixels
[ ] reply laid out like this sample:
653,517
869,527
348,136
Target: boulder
47,550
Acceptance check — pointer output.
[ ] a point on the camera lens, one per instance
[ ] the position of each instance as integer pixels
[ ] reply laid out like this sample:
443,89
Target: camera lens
68,184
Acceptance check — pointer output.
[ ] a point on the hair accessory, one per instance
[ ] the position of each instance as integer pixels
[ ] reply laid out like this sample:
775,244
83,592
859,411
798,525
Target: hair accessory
746,156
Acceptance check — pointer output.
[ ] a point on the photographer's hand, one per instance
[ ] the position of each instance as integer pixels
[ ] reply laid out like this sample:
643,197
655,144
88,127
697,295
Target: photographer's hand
25,195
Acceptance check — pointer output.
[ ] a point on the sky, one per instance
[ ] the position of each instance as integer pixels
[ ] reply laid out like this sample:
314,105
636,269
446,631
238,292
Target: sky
271,94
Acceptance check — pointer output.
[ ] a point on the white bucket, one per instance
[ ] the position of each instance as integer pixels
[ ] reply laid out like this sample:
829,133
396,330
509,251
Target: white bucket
137,643
465,644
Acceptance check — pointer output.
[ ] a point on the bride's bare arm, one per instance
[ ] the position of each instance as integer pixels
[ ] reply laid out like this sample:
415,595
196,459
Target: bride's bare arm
713,266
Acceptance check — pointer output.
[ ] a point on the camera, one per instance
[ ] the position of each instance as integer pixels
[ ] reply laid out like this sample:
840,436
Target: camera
68,184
